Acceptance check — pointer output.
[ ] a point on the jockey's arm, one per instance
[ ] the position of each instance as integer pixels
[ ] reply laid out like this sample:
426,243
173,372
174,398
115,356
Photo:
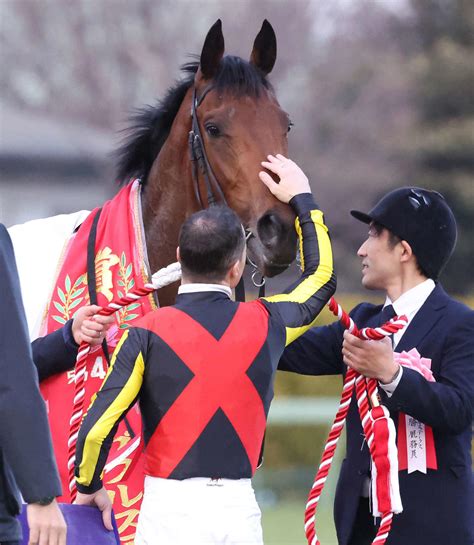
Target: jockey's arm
109,406
300,305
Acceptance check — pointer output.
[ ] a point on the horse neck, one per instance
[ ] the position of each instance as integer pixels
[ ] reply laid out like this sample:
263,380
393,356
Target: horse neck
168,198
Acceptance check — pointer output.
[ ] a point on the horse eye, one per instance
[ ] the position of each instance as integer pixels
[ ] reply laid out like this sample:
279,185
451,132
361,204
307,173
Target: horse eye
290,124
213,130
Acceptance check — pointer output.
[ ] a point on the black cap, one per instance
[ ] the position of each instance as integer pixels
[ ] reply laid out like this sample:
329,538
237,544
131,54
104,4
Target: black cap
423,219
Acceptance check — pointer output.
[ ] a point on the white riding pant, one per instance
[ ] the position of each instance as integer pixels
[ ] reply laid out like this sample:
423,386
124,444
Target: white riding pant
199,511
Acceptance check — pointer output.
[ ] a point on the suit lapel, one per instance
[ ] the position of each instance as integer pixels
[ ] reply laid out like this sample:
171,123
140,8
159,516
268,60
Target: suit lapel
424,320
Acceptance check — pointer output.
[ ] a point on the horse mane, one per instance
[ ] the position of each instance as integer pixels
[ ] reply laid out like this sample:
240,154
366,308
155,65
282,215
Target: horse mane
150,126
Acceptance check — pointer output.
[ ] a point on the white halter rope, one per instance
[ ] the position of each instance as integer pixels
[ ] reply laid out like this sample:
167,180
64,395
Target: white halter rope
379,431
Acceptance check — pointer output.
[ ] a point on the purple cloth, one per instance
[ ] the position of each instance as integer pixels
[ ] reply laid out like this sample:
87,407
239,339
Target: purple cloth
84,526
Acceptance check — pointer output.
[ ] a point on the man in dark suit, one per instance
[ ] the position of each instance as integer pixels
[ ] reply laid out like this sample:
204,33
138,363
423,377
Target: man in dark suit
26,458
412,233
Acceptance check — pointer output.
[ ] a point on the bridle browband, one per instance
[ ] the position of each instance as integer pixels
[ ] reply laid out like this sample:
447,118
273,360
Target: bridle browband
200,162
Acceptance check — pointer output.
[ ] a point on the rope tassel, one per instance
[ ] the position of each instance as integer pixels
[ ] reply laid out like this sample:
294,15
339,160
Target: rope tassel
379,432
385,486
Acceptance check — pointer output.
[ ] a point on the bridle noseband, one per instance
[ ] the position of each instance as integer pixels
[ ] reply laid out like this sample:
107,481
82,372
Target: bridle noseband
200,162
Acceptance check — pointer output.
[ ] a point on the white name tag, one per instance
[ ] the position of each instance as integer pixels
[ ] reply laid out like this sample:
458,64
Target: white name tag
416,445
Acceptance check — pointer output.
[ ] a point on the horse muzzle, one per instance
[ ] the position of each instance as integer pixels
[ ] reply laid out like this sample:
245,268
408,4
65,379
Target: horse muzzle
268,261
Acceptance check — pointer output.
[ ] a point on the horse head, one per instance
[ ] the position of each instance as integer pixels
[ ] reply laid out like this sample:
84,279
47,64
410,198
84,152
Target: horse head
240,123
187,161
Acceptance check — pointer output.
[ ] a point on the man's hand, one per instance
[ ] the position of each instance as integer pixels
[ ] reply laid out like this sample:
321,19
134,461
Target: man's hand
89,327
293,180
46,524
373,359
101,500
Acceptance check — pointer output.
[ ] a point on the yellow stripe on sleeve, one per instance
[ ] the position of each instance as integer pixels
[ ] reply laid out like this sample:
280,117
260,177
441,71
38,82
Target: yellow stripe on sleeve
112,361
300,241
323,273
310,285
293,333
101,429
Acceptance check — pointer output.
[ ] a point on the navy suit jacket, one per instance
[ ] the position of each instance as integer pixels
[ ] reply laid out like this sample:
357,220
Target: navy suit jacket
438,508
26,455
55,352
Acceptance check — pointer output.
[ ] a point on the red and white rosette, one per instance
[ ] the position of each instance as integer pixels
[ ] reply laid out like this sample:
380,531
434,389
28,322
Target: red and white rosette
416,448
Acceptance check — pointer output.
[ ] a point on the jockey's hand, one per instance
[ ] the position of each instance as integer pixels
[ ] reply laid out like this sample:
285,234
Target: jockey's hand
373,359
293,180
46,524
102,501
90,327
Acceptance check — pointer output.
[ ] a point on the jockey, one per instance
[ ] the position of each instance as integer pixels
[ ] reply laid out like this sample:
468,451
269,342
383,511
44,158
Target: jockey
203,372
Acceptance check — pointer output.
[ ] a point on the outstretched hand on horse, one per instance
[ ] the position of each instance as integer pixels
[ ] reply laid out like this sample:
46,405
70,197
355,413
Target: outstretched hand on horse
90,327
293,180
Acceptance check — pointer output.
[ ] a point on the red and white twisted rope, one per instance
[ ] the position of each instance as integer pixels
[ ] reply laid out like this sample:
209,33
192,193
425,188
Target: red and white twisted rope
365,389
160,279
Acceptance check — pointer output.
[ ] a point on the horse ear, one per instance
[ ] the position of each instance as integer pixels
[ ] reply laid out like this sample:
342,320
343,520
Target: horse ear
264,50
212,51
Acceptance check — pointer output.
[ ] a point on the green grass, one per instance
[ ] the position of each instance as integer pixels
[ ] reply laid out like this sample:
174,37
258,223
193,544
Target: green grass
283,524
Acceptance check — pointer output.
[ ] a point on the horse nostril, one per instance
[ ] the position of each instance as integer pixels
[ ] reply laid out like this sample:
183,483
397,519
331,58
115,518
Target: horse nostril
269,230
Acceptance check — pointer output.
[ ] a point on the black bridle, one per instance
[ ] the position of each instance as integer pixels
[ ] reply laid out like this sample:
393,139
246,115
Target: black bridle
200,162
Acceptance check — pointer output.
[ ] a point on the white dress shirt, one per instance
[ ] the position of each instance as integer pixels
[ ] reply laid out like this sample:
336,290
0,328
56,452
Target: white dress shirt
408,304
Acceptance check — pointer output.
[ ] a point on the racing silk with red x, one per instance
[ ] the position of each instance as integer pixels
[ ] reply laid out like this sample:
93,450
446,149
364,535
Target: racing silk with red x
203,372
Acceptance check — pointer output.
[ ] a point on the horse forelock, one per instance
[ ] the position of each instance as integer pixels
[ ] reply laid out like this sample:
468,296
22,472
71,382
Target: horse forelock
150,126
240,77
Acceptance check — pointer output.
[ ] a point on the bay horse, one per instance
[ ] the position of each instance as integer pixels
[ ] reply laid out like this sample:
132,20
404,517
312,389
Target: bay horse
203,143
239,122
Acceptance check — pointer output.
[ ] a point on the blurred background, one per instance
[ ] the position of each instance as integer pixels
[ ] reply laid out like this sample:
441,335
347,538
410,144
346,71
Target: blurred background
381,94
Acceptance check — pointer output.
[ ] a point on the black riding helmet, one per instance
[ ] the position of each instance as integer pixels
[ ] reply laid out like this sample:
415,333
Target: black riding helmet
422,218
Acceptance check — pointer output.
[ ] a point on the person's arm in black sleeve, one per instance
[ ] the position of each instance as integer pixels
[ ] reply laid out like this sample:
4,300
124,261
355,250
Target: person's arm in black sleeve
317,352
24,431
55,353
299,307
